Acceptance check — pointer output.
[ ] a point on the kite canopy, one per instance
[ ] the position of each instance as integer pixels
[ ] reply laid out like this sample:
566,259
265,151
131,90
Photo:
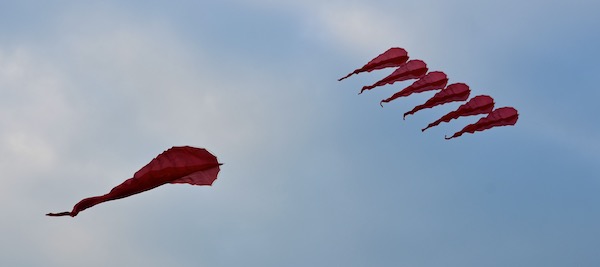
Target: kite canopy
185,164
505,116
481,104
435,80
452,93
413,69
393,57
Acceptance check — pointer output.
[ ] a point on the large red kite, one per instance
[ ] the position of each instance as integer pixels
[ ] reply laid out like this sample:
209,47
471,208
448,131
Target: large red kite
177,165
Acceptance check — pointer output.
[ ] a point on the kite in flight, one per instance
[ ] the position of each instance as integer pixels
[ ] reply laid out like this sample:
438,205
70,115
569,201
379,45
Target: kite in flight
177,165
499,117
452,93
393,57
436,80
413,69
481,104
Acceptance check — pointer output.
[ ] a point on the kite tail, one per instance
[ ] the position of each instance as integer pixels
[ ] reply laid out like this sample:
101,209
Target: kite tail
87,203
367,87
82,205
65,213
453,136
435,123
350,74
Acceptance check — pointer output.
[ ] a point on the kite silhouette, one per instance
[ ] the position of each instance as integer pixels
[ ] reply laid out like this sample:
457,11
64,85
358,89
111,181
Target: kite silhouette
393,57
452,93
177,165
436,80
499,117
481,104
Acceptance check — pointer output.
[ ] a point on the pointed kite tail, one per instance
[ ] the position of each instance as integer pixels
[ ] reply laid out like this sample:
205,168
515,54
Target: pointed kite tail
446,118
82,205
349,74
413,111
453,136
393,97
431,125
65,213
367,87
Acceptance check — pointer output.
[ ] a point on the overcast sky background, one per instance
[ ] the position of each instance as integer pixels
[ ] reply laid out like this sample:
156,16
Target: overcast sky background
314,174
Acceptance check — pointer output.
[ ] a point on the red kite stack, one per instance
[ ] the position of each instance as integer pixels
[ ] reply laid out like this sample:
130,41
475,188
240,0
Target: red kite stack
436,80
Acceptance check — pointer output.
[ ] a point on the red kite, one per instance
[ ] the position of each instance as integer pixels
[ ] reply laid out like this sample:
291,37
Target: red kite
435,80
413,69
452,93
393,57
481,104
177,165
500,117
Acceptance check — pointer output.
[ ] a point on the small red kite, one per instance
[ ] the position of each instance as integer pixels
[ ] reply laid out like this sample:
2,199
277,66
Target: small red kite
481,104
413,69
177,165
452,93
505,116
435,80
393,57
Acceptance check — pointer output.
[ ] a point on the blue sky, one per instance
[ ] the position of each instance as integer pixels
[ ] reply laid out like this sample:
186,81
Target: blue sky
314,174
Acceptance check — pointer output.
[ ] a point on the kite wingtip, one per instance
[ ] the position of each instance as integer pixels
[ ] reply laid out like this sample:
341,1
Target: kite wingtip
381,103
448,138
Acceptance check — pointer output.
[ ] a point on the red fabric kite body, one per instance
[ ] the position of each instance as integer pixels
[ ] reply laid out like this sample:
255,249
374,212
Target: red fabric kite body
435,80
452,93
413,69
481,104
505,116
177,165
393,57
